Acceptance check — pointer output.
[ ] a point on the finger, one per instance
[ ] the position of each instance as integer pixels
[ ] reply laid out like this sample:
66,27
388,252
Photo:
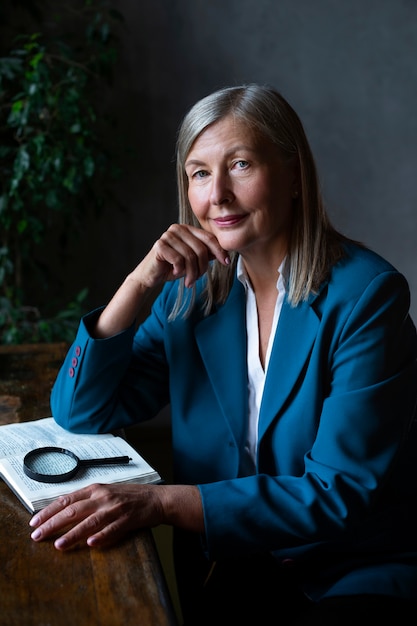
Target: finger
65,511
48,512
81,532
188,254
190,250
212,243
111,533
58,505
193,236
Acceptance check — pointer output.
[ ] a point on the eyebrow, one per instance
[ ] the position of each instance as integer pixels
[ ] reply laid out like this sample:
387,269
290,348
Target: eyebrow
228,153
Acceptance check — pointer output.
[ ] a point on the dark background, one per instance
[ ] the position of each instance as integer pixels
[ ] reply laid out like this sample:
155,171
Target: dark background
348,68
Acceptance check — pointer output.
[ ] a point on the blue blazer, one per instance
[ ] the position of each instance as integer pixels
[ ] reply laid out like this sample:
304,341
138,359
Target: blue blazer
335,492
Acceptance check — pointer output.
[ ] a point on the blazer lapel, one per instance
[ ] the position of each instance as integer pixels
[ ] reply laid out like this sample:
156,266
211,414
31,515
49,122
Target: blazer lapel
294,339
222,341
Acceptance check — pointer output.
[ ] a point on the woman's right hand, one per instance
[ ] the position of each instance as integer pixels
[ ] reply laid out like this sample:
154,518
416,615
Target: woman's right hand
102,515
182,251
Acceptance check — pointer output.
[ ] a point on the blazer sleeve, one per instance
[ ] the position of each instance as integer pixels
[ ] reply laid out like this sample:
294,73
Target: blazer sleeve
107,384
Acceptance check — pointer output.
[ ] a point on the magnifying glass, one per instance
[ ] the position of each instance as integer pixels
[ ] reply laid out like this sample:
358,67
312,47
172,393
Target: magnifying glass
55,465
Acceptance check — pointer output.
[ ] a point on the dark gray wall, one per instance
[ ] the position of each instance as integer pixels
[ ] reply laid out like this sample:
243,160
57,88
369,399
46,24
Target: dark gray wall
349,68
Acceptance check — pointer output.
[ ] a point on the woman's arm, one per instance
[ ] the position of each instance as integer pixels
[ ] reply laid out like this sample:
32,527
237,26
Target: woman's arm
181,252
91,393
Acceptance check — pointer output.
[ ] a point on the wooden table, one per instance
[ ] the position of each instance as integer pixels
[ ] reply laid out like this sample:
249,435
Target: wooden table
39,585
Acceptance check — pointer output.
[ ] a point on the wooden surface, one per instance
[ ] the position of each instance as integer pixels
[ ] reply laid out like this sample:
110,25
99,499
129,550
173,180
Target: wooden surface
27,373
119,586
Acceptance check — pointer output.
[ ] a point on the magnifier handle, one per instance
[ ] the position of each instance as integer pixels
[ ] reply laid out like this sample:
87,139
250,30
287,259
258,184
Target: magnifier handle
115,460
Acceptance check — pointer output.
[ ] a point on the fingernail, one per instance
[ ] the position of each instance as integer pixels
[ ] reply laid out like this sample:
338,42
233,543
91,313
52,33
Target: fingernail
60,543
36,534
227,260
34,521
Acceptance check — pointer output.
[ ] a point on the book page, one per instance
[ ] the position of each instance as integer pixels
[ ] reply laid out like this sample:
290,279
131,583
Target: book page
24,436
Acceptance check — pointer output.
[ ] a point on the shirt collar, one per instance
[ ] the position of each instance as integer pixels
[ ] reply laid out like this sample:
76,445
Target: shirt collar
244,278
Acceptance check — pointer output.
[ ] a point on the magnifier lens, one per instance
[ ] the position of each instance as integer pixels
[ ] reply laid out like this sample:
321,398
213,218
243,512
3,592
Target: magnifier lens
51,463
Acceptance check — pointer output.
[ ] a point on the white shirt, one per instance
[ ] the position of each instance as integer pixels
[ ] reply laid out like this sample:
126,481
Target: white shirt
256,373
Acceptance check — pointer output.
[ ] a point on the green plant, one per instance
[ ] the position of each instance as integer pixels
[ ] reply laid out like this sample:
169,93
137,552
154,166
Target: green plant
24,324
52,157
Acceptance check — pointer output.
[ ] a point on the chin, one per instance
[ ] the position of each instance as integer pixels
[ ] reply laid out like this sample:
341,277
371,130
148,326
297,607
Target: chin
231,244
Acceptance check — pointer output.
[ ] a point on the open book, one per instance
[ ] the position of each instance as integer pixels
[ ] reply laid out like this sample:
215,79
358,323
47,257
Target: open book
17,439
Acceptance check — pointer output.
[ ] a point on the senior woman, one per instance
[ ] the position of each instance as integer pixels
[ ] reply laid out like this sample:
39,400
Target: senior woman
288,358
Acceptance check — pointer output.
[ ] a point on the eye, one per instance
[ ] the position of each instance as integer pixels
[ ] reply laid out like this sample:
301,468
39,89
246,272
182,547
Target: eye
199,174
241,164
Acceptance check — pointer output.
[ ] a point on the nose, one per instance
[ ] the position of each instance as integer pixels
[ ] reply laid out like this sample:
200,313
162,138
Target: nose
221,189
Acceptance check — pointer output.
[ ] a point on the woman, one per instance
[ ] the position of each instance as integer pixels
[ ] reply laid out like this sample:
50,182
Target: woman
288,357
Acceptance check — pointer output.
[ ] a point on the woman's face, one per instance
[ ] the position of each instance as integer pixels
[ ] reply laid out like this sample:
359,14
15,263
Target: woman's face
241,190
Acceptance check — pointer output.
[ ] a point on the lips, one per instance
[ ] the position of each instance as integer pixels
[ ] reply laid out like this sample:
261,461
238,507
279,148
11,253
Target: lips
229,220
